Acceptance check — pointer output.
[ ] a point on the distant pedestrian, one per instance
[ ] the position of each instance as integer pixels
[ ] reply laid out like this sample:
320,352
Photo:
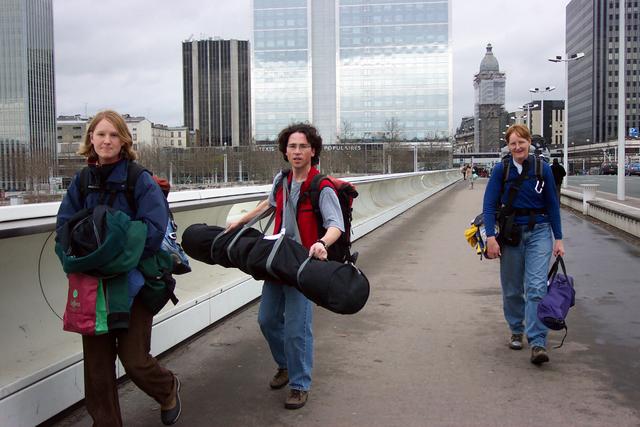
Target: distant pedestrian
463,170
524,262
471,174
558,175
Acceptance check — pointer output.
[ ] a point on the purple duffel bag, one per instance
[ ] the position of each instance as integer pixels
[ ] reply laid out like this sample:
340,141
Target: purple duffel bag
561,295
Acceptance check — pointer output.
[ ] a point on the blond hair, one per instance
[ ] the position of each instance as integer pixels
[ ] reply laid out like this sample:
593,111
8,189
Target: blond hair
87,150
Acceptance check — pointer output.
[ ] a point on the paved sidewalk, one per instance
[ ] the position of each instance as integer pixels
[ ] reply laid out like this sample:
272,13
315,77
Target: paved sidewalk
429,349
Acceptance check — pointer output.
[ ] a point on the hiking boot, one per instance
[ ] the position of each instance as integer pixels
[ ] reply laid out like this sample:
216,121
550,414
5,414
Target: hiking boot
515,343
296,399
280,379
170,416
539,355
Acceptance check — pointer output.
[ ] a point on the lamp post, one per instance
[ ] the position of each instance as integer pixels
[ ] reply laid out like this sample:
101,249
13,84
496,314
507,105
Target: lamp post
565,125
541,92
529,106
622,98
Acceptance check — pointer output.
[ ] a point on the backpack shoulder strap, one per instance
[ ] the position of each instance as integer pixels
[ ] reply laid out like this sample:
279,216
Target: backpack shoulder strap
284,175
84,183
506,168
314,192
134,170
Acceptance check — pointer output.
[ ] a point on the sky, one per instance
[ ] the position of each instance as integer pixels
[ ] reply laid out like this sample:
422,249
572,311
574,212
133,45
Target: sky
127,55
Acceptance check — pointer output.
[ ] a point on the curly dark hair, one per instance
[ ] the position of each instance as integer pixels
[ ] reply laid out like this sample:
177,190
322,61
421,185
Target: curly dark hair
308,130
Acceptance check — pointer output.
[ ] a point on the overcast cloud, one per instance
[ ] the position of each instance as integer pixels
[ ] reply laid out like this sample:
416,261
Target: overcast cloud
127,55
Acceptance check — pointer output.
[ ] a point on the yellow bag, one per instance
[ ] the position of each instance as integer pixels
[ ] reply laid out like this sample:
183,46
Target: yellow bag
477,236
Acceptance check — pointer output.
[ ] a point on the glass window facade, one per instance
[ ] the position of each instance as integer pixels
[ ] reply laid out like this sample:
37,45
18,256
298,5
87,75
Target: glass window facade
281,65
27,97
392,69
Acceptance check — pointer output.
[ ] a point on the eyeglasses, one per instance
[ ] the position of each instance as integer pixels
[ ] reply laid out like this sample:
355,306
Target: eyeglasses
301,147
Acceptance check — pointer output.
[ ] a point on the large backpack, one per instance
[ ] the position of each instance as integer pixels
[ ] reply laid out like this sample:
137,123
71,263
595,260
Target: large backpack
340,250
169,242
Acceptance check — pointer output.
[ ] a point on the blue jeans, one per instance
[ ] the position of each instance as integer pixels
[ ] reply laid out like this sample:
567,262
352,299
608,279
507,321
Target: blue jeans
285,318
523,273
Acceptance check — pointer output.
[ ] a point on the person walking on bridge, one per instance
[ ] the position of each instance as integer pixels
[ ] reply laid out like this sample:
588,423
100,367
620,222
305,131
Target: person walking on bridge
524,251
285,314
108,146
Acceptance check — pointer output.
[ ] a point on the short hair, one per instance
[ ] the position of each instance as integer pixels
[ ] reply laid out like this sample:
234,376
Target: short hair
309,131
86,149
521,130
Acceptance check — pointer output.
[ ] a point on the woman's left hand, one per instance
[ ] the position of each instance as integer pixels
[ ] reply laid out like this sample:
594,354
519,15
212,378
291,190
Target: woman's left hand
558,248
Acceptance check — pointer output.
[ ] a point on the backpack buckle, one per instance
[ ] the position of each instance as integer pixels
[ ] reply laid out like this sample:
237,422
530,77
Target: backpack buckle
539,186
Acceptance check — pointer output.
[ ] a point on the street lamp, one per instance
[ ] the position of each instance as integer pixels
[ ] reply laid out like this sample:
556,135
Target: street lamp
529,106
541,92
565,125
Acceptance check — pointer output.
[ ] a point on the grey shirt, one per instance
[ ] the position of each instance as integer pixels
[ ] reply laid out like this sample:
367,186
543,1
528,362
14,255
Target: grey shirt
329,207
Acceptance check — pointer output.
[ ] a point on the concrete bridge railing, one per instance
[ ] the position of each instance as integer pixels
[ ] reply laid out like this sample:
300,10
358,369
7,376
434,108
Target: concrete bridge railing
42,370
621,216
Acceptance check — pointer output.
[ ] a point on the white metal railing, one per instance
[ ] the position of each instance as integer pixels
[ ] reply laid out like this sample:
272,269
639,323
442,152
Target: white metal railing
42,365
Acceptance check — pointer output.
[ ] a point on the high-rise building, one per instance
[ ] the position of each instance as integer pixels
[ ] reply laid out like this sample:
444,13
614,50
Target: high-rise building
357,69
27,94
217,91
489,115
552,123
593,28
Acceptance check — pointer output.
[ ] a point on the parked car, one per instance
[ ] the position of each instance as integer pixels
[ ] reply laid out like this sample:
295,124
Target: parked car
609,169
633,169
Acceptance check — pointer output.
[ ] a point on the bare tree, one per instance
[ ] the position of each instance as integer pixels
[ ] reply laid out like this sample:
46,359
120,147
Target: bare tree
393,130
346,131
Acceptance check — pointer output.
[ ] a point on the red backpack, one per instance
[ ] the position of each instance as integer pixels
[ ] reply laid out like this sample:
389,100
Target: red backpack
341,250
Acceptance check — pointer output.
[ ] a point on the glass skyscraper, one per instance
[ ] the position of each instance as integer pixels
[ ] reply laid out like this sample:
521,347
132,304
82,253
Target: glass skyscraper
357,69
27,93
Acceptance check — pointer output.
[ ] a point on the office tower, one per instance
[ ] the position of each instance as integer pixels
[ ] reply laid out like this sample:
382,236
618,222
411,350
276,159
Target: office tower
27,94
217,91
357,69
593,28
489,86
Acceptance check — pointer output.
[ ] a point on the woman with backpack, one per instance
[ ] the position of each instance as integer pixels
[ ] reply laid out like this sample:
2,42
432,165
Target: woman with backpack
531,231
108,147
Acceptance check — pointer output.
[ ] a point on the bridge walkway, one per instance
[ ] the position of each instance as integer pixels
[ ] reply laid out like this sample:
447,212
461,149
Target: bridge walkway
429,349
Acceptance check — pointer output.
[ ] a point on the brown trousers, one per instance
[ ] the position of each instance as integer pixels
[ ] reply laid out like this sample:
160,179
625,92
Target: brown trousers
132,346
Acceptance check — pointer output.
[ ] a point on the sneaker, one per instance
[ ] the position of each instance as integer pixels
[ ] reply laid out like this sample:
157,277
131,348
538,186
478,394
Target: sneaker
539,355
170,416
296,399
280,379
515,343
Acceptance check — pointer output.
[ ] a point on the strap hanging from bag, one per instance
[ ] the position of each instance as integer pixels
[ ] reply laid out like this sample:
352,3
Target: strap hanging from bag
552,274
286,208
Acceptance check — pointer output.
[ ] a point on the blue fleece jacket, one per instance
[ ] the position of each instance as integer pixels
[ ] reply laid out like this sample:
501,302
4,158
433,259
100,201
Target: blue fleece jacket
152,206
527,197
